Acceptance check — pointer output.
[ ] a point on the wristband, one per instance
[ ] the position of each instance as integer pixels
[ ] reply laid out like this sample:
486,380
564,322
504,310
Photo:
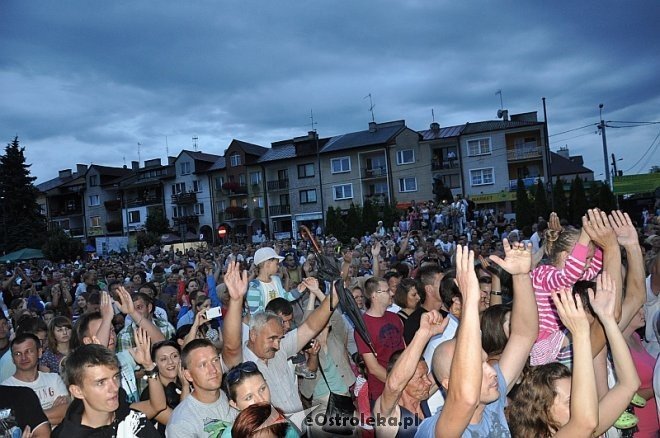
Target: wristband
497,293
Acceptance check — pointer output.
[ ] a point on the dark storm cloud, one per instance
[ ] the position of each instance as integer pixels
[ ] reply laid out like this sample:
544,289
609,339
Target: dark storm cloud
95,78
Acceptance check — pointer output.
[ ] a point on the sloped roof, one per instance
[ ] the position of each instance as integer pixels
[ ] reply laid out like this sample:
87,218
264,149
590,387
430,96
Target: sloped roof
279,153
446,132
496,125
112,171
201,156
564,166
249,148
384,133
58,182
219,164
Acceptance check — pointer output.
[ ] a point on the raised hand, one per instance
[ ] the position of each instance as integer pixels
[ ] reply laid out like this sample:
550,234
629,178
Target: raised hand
142,350
553,222
517,258
432,323
125,301
199,320
236,281
375,250
604,300
626,233
107,312
571,311
598,227
466,278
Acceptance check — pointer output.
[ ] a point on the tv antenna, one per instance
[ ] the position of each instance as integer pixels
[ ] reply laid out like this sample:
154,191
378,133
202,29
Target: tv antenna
311,116
139,144
501,101
371,107
167,148
432,115
194,139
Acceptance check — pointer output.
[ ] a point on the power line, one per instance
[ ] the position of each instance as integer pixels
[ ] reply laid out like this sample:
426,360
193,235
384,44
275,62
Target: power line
574,129
647,151
639,123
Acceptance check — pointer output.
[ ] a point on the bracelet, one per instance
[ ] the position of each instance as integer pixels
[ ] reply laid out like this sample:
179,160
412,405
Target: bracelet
150,374
497,293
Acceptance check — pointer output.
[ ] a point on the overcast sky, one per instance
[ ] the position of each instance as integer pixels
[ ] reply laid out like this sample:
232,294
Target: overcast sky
85,81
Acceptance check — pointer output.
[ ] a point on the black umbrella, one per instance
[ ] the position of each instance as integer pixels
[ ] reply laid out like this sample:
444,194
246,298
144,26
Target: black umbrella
330,270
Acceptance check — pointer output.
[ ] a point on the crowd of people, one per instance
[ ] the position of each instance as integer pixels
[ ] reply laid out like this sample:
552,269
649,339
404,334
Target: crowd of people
455,323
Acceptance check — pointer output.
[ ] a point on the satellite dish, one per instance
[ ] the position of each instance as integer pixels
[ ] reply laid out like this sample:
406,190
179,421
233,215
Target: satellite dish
499,113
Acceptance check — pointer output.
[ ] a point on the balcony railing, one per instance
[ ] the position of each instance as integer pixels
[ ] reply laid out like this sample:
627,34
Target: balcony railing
278,184
186,220
113,226
444,165
57,212
184,198
524,153
141,202
276,210
75,232
529,182
233,213
112,205
374,172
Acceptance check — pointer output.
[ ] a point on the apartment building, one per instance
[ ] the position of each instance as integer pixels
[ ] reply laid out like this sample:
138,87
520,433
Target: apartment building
142,193
494,154
292,184
103,208
188,193
443,147
62,200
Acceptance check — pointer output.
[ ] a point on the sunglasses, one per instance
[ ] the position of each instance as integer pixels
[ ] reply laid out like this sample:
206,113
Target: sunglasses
234,374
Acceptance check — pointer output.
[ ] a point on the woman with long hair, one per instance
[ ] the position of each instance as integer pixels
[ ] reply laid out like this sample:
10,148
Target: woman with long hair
495,326
260,421
59,335
406,297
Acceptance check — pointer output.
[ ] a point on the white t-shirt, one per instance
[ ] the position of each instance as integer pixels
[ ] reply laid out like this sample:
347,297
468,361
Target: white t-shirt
48,387
652,309
437,400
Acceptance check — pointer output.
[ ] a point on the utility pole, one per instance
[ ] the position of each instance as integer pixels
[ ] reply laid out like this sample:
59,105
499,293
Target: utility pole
548,158
601,127
615,172
318,165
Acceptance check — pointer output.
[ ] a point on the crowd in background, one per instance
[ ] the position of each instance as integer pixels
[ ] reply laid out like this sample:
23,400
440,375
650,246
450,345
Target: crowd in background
476,327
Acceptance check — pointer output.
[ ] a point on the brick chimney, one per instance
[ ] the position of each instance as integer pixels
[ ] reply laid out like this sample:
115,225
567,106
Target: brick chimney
373,126
135,165
435,127
64,173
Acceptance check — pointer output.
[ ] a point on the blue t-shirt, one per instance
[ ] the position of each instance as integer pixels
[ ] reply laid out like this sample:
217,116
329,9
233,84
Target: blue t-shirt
493,422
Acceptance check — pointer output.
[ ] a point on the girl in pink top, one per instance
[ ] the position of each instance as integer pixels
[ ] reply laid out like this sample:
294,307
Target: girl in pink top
573,257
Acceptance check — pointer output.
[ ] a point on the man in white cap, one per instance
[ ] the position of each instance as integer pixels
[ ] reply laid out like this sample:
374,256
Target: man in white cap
268,286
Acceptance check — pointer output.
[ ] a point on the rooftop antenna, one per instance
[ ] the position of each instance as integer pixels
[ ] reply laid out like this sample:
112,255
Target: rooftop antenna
311,116
139,144
432,115
124,158
501,102
167,148
194,139
371,107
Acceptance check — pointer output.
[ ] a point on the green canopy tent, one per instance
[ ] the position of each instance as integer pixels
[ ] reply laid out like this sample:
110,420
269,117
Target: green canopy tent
23,254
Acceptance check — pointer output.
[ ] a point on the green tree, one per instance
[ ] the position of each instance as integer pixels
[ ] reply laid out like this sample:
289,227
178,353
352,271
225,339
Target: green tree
391,214
606,199
353,220
334,224
524,212
156,222
60,246
370,216
147,239
578,202
24,225
540,202
559,198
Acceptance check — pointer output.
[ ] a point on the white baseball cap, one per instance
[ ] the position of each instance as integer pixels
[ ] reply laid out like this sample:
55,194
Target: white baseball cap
265,253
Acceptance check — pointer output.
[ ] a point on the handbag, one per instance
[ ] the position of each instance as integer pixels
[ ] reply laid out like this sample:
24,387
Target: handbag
339,415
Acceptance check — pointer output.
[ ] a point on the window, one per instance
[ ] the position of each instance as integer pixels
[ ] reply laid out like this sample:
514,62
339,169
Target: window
178,188
480,146
93,180
255,178
344,191
340,165
94,200
184,167
241,179
199,209
306,170
407,184
258,202
235,160
219,181
481,177
221,206
95,221
451,181
197,186
308,196
179,211
134,216
406,156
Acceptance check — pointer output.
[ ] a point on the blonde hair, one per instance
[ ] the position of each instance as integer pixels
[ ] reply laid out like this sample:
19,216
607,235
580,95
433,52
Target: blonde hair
558,241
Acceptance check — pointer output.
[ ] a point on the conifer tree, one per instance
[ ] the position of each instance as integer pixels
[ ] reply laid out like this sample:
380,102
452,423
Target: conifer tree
524,212
560,201
578,203
540,202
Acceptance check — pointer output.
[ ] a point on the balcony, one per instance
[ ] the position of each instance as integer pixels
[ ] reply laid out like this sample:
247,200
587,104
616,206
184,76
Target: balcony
75,232
444,165
524,153
257,213
232,188
278,184
279,210
186,220
141,202
529,182
376,198
235,212
184,198
112,205
113,226
69,211
374,172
